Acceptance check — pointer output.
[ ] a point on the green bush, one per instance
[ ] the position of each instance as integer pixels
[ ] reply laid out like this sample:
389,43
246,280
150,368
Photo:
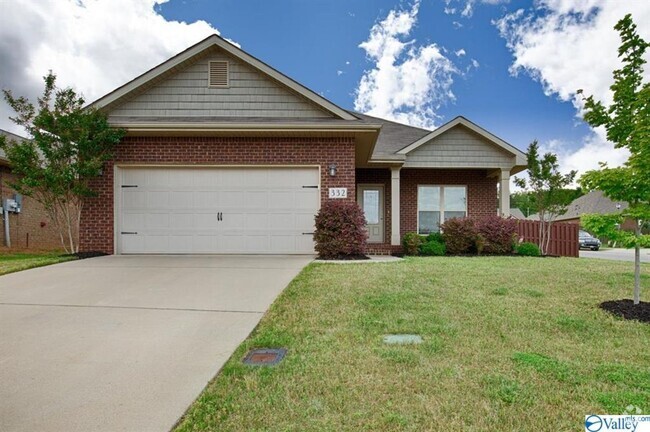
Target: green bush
411,243
435,236
528,249
433,248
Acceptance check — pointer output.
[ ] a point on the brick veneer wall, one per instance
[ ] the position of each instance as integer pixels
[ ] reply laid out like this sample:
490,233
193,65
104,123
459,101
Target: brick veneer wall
31,228
96,230
481,194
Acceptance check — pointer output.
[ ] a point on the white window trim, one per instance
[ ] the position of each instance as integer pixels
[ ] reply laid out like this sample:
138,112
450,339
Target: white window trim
442,201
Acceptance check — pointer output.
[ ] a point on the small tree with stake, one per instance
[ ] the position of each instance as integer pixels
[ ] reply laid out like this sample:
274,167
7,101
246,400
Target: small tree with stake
546,184
69,145
627,122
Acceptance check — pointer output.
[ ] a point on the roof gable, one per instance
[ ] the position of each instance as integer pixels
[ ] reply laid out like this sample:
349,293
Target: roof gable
141,92
519,156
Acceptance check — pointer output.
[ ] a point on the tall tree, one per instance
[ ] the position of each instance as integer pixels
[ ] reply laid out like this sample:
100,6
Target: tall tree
546,185
627,122
69,145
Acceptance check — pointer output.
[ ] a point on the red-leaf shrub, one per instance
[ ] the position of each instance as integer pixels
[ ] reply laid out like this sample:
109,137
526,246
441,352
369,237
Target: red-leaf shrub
340,230
498,234
459,235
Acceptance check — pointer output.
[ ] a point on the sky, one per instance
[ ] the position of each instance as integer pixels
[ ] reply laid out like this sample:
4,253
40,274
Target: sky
513,67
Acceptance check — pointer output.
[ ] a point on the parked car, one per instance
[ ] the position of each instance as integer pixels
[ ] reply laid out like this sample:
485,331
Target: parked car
587,241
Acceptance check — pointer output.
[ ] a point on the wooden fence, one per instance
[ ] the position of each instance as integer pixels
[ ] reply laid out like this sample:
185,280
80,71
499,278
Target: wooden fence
564,237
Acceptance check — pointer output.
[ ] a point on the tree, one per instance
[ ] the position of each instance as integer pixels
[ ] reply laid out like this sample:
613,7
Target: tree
546,184
525,201
69,145
627,122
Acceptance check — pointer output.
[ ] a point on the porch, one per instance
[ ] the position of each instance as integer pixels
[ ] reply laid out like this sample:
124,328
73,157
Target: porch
400,200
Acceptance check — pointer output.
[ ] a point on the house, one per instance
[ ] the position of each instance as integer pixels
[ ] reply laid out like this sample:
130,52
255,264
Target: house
31,228
224,154
594,202
517,214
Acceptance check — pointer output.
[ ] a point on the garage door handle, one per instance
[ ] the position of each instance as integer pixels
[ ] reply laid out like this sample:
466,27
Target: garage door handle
311,233
128,232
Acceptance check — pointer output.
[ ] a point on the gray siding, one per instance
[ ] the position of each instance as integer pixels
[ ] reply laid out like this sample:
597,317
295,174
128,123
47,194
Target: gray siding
250,94
459,147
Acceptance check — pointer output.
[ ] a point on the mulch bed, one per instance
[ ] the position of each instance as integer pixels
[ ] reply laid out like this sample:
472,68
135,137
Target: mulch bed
90,254
345,258
626,309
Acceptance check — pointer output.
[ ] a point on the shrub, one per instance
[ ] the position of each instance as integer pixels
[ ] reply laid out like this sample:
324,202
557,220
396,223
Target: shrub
497,234
433,248
459,235
340,230
411,243
528,249
435,236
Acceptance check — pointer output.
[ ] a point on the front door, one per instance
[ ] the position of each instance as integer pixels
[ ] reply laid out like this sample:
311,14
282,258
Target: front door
371,200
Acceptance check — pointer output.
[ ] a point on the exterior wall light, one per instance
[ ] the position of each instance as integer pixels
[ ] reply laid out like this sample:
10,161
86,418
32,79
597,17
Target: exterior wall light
332,170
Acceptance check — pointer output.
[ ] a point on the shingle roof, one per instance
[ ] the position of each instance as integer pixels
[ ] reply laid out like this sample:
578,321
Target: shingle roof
593,202
516,213
393,136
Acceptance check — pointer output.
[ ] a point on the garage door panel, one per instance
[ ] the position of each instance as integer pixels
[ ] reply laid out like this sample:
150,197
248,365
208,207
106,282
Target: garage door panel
133,199
154,220
256,200
217,210
306,200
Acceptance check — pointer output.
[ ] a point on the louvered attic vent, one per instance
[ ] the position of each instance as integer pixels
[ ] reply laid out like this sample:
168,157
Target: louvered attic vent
218,74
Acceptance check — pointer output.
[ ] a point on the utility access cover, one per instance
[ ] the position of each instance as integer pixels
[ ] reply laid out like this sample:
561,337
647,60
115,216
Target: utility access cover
403,339
265,356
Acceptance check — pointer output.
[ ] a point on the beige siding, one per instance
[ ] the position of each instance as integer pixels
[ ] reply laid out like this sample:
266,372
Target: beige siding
250,94
459,147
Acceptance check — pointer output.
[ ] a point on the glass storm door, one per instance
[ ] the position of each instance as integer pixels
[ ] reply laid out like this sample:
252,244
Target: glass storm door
371,200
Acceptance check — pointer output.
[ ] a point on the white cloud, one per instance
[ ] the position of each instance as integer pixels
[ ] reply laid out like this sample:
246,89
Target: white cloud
92,45
461,52
339,72
409,82
569,45
467,9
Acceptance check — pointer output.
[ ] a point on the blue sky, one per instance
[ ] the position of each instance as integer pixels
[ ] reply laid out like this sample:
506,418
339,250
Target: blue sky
512,66
312,40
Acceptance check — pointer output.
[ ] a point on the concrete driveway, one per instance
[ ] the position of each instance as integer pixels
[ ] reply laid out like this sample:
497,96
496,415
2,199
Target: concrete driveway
125,343
616,254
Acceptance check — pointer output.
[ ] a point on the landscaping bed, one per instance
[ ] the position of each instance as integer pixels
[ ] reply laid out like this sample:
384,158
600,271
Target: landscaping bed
508,344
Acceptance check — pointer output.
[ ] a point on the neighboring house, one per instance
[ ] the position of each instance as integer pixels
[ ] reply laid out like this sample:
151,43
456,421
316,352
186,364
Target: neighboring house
517,213
224,154
595,202
31,228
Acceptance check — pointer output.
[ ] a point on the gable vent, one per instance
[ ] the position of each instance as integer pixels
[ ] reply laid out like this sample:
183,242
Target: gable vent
218,74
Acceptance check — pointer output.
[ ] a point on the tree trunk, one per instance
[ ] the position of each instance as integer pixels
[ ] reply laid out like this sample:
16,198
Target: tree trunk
637,264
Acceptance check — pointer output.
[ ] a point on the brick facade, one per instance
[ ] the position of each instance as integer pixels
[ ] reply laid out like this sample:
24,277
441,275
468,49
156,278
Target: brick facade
96,230
31,228
482,197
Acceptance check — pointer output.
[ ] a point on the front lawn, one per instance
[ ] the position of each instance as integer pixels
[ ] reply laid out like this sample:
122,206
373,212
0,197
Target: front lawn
510,344
16,261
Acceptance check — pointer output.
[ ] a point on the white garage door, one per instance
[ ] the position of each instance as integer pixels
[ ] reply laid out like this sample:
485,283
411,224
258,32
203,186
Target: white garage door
216,210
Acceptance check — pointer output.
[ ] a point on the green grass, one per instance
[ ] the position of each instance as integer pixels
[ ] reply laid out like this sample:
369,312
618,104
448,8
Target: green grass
510,344
17,261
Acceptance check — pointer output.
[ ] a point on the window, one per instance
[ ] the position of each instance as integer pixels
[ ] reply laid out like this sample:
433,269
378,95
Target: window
436,204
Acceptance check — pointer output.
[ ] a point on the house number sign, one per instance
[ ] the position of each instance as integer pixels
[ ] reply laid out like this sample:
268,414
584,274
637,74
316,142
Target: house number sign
338,193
